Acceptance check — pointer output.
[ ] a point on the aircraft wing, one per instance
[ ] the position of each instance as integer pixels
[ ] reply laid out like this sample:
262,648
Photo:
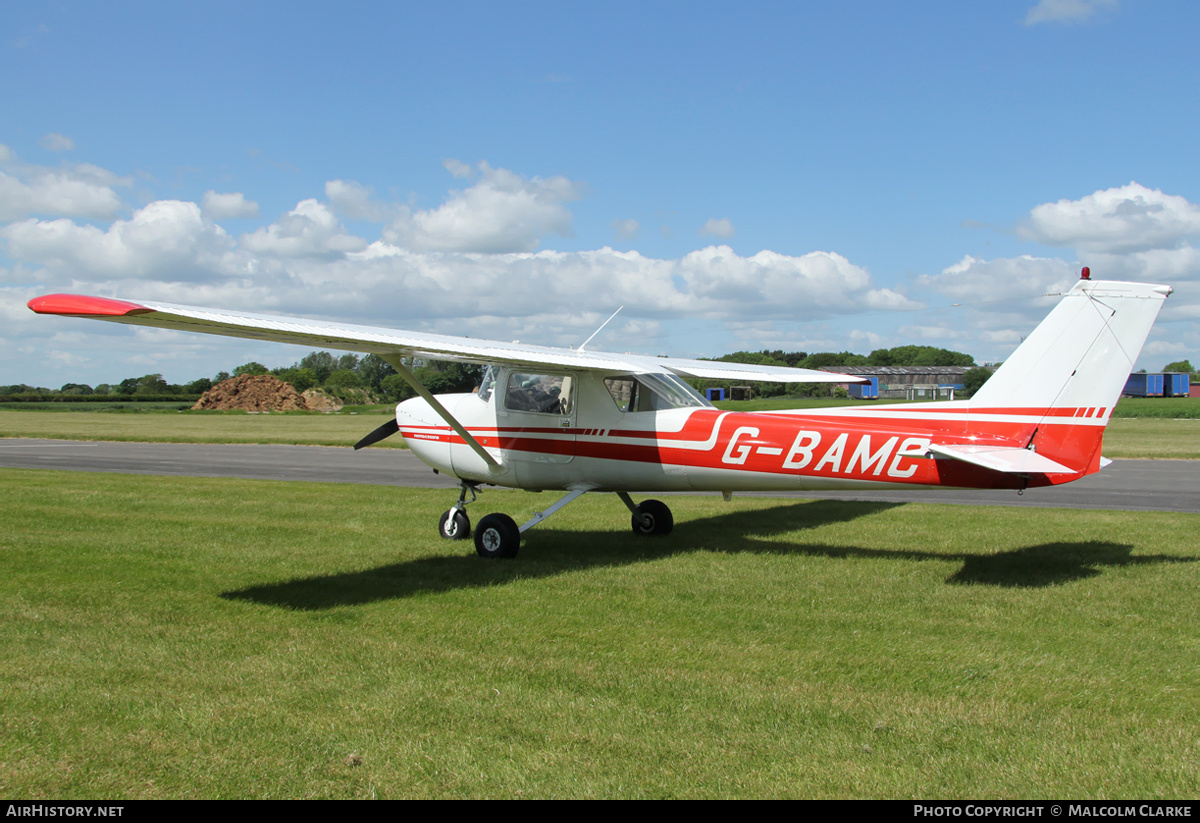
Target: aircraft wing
383,341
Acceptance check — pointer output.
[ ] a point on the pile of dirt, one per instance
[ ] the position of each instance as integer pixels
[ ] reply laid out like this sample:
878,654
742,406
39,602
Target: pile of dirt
318,400
259,393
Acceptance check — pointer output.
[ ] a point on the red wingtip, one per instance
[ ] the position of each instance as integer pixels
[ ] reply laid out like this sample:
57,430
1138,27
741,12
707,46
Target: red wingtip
79,305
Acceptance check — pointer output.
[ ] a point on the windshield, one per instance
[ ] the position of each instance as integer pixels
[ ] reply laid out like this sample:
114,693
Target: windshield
488,384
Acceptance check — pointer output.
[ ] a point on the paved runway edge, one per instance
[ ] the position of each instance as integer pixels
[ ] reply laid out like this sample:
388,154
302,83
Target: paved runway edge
1130,485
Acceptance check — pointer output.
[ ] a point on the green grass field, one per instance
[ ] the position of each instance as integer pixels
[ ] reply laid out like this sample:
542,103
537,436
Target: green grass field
179,637
1129,438
301,429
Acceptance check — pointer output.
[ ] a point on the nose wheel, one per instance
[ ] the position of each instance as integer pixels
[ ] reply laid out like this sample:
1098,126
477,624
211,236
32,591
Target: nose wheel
454,524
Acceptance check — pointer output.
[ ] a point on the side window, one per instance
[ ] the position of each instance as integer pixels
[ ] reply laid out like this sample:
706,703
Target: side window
624,391
653,392
543,393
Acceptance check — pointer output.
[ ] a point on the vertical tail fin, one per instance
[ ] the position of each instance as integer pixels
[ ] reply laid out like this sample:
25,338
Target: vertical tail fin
1070,371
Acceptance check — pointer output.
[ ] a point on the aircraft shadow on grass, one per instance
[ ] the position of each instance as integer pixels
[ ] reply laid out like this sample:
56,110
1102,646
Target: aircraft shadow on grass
551,552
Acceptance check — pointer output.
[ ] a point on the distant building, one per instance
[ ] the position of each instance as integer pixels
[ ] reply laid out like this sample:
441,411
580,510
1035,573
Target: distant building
910,382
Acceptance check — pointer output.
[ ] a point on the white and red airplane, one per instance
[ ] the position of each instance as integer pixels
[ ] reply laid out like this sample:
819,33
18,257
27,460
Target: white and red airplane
580,421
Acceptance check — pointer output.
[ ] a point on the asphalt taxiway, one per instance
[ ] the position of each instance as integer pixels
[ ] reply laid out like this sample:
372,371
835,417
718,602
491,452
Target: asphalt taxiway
1132,485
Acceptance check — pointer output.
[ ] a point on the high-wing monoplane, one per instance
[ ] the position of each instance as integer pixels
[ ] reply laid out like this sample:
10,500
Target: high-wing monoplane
579,421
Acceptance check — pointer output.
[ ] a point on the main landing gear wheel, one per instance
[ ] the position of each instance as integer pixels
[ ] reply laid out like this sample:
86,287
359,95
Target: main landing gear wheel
653,518
455,525
497,536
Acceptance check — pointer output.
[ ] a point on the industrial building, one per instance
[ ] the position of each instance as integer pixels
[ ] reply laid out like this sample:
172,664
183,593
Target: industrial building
908,382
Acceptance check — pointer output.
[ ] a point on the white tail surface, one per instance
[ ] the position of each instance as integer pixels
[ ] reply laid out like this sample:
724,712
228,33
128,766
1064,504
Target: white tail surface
1080,356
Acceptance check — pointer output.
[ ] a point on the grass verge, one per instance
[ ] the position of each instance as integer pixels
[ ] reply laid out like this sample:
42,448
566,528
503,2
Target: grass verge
300,429
1128,438
190,637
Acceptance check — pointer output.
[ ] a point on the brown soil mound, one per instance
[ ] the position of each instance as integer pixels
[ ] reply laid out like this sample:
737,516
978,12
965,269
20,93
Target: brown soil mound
318,400
258,393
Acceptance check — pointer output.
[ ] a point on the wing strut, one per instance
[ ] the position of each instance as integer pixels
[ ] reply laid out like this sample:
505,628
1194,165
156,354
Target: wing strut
397,363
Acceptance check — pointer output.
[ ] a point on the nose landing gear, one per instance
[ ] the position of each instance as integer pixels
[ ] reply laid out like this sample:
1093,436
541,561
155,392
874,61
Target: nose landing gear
454,524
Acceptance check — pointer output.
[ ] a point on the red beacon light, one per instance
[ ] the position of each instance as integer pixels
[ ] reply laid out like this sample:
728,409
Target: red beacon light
1086,274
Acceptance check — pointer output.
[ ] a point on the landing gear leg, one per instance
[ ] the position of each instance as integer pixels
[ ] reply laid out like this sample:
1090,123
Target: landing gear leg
454,523
499,536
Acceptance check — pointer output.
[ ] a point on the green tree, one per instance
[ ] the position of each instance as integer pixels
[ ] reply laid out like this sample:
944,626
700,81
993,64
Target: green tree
1180,366
395,388
918,356
973,379
445,377
322,364
252,368
146,384
301,379
372,370
343,379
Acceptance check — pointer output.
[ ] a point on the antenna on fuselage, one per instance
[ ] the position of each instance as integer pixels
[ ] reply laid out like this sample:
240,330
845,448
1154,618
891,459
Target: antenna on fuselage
597,331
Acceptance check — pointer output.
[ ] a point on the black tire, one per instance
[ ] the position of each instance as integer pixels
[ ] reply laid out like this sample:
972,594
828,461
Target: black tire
455,525
653,519
497,536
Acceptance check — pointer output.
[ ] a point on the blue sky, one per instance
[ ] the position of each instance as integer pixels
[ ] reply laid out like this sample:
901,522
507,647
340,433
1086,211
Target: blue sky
807,176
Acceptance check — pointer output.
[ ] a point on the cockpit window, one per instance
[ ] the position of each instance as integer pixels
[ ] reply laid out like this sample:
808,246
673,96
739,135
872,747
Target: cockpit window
488,384
653,392
544,393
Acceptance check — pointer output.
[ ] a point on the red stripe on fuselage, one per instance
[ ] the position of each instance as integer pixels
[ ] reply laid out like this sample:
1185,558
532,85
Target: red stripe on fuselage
884,450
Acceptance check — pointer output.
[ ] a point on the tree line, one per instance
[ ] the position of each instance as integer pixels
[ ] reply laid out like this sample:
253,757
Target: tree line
368,378
347,376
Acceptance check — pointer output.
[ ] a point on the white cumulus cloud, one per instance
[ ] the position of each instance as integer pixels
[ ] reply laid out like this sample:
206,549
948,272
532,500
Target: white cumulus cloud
1126,219
75,191
971,280
353,200
425,269
57,142
1066,11
714,227
309,230
166,240
502,212
218,206
625,229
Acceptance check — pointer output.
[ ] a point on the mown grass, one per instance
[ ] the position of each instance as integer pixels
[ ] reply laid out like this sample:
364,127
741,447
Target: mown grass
1152,438
1179,408
178,637
1128,438
301,429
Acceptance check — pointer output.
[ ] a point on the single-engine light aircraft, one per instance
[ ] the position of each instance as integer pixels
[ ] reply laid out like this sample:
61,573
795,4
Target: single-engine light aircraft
579,421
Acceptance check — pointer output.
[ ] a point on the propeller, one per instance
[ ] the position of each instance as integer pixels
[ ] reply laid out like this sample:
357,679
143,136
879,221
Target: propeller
383,432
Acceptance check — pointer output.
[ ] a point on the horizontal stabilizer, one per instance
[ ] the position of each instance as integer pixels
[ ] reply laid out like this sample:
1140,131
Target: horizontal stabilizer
1006,459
